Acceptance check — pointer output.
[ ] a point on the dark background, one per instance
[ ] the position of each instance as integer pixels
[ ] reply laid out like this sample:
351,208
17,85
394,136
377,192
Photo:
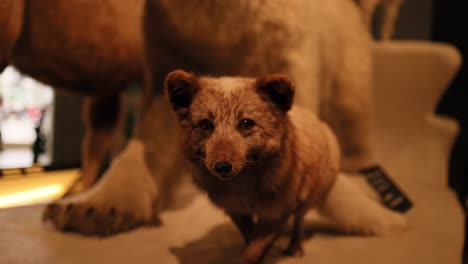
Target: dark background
450,23
446,21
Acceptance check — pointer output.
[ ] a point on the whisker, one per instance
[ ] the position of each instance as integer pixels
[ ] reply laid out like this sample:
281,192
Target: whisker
254,162
198,156
199,163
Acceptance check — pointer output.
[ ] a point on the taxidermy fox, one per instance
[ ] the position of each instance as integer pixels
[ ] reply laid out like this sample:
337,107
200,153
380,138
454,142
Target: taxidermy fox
263,161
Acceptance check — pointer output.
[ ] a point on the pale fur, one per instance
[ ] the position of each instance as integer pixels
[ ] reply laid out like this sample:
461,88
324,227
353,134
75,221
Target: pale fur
117,192
323,45
328,56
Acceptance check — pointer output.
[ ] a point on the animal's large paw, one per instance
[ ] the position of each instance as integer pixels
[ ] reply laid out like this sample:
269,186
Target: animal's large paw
123,199
91,220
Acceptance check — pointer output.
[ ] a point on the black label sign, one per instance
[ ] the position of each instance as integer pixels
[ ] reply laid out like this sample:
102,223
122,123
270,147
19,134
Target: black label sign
392,196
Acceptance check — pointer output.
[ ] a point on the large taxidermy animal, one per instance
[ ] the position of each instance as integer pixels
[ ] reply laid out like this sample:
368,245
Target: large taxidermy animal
96,48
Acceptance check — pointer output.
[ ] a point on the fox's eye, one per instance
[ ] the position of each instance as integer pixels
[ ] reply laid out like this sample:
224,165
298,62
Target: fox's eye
205,124
246,124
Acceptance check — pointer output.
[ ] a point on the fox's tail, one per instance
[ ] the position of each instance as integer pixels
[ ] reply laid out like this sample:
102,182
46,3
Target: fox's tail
349,209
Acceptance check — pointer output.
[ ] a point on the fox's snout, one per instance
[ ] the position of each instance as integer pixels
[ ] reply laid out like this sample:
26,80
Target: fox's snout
223,169
224,158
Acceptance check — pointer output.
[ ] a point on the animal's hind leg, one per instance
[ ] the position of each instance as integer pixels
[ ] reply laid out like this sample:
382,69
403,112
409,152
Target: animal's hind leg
104,119
295,244
368,10
125,196
157,126
391,9
346,102
350,210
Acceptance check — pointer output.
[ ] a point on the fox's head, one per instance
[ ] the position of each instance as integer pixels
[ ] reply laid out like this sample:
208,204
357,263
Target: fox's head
230,124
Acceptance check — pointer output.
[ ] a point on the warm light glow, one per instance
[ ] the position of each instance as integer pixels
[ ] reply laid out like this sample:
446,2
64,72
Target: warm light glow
31,196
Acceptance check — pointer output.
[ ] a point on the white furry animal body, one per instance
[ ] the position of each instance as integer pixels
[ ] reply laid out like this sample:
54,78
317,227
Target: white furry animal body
322,44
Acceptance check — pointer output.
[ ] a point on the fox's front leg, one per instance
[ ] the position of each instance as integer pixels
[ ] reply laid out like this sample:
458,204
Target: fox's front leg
245,224
265,235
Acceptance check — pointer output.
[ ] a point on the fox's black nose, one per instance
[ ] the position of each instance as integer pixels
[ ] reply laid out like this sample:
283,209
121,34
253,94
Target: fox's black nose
223,167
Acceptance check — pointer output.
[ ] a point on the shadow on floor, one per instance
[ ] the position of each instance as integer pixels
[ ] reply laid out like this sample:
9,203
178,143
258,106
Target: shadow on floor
224,245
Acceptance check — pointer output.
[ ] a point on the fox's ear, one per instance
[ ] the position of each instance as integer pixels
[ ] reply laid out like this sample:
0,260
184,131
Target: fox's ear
278,89
180,87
